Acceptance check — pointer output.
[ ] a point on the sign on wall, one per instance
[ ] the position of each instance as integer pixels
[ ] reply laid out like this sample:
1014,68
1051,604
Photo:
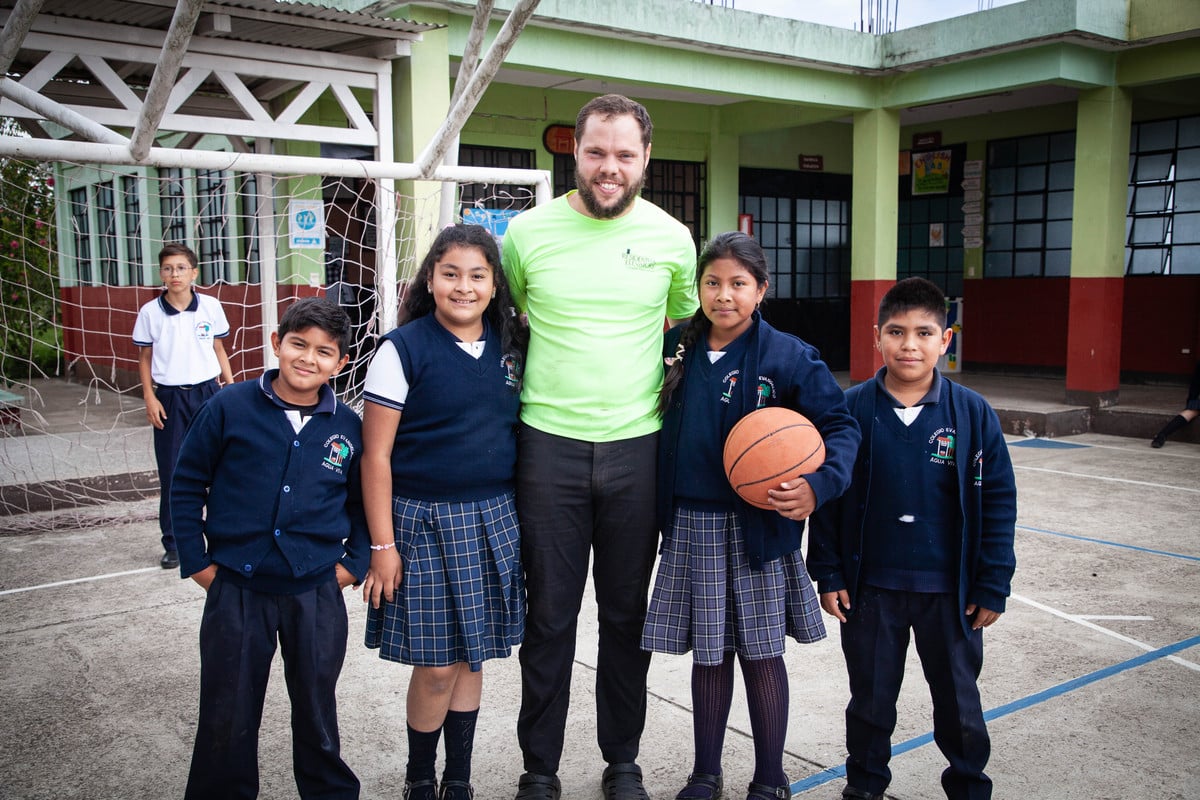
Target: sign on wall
306,224
931,172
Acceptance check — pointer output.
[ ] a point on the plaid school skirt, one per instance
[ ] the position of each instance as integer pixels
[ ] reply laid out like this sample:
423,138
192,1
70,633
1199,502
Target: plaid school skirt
707,599
462,593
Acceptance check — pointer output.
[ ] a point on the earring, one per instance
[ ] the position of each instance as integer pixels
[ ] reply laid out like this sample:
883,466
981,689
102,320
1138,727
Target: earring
493,294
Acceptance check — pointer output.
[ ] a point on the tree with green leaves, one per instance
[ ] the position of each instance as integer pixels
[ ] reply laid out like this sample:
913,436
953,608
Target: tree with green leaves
30,340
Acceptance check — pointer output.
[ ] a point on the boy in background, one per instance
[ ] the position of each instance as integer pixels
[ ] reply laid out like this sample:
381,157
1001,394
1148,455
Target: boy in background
922,541
180,359
275,464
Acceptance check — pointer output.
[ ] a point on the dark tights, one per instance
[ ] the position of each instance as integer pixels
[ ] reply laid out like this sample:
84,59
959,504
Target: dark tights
767,697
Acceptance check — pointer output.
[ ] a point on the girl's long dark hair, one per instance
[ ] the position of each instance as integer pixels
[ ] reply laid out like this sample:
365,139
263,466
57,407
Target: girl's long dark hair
500,313
734,245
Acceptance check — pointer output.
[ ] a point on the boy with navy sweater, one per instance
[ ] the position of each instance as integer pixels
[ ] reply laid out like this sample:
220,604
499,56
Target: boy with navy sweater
267,511
922,541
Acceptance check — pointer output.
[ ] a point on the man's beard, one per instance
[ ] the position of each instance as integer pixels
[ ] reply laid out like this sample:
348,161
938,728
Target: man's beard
592,203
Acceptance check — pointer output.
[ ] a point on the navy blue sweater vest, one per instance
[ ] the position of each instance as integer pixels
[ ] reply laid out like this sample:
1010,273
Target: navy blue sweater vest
457,436
910,536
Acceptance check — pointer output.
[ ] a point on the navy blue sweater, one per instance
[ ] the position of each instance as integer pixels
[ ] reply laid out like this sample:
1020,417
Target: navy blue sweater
457,438
278,508
987,501
787,372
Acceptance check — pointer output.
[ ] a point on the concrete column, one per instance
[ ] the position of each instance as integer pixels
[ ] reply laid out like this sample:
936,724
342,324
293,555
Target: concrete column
420,101
1098,247
723,157
874,218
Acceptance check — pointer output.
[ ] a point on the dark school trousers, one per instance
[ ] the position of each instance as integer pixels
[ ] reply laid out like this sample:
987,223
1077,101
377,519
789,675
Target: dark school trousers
576,499
180,404
238,635
875,643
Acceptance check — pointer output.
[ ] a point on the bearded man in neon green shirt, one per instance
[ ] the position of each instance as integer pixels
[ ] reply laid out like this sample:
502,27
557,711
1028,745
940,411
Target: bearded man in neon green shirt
597,270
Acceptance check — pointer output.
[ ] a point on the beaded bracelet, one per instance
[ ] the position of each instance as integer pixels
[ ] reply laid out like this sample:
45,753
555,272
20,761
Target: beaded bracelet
387,546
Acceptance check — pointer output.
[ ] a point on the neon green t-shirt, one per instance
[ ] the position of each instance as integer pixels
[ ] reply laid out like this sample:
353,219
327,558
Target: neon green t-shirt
597,293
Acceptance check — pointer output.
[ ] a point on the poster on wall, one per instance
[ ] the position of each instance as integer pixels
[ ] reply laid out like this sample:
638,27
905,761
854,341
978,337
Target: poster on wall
306,224
931,172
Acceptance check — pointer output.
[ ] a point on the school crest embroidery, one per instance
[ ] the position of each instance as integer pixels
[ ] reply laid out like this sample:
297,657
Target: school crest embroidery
941,447
512,371
338,453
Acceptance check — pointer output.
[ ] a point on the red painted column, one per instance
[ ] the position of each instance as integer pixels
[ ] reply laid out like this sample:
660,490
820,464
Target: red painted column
1094,341
864,313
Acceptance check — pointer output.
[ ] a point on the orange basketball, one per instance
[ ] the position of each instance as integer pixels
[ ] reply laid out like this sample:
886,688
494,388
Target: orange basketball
767,447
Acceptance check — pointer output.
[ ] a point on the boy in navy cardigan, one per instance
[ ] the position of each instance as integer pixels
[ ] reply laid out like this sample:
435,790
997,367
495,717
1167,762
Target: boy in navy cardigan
922,541
267,510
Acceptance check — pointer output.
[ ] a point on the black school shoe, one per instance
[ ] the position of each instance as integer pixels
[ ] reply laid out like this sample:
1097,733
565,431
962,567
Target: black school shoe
850,793
456,790
419,790
623,782
532,786
760,791
701,786
169,560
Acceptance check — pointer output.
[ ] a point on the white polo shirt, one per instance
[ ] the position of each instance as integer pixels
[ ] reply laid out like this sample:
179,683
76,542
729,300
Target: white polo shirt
182,340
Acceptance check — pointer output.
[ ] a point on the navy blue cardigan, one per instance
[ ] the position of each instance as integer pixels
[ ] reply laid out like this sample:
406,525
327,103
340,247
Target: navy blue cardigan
802,383
987,497
246,483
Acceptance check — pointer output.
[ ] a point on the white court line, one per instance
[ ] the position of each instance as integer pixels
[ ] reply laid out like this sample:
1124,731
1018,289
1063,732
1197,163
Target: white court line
1106,478
1078,620
81,580
1114,616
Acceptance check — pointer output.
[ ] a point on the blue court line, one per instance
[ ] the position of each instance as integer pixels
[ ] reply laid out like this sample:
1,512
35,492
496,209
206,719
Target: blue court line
833,773
1110,544
1048,444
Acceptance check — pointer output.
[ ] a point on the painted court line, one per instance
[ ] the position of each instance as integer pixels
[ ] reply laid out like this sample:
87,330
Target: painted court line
80,580
1108,543
1078,620
834,773
1107,478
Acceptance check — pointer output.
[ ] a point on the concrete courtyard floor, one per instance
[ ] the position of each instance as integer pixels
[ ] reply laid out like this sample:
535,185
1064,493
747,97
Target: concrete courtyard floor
1092,677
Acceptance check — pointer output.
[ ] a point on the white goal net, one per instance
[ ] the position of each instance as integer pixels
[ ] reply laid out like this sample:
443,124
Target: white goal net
78,257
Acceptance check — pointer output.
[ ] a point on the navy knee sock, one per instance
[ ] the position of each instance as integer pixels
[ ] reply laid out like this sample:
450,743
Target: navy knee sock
422,755
460,742
767,699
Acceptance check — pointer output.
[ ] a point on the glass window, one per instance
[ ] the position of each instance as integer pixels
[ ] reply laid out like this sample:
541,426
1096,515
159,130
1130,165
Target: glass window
1029,236
1187,164
1027,265
1058,235
106,232
1039,198
81,230
1031,206
1155,136
1060,205
1153,167
1033,149
1163,215
998,265
1187,196
1186,229
1185,260
131,209
1031,179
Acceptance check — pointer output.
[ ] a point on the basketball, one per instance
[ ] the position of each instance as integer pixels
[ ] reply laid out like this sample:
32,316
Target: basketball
767,447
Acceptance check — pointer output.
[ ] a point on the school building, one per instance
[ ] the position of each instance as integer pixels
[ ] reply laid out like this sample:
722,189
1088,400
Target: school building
1040,161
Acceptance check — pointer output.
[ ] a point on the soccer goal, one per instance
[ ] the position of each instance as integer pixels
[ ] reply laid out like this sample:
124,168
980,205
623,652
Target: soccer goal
79,240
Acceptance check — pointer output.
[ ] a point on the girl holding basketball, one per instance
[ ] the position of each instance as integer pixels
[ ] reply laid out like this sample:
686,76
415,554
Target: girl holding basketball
445,583
731,580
